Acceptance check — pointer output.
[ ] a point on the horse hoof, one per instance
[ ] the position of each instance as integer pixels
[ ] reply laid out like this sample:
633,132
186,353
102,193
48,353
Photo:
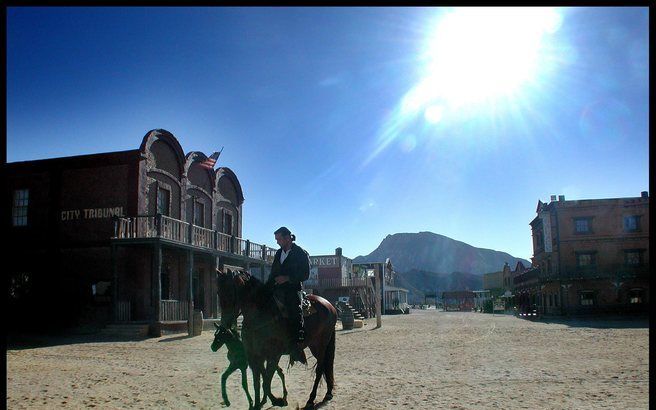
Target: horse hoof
225,403
309,406
327,397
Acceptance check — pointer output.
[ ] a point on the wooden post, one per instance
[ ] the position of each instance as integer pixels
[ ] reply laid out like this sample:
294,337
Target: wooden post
157,283
115,283
190,294
377,299
213,288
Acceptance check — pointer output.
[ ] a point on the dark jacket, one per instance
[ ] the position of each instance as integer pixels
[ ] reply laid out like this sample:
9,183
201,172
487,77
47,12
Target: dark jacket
296,266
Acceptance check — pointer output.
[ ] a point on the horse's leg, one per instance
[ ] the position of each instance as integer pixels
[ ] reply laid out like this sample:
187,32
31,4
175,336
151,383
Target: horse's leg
282,379
244,384
256,369
329,362
231,368
318,354
271,367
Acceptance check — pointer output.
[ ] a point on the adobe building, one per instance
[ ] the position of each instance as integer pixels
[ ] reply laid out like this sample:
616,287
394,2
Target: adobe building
590,256
133,236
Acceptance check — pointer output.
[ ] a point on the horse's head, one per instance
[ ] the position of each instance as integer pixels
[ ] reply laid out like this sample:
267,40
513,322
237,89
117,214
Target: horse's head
221,336
228,293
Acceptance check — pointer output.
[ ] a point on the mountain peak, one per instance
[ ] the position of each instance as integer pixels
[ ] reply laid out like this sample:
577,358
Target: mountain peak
432,252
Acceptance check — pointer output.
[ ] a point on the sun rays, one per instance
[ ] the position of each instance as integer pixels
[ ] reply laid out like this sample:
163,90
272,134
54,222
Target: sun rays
479,67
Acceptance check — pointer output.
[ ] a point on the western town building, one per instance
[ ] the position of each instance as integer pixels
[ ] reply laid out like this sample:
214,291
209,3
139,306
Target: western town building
589,256
501,284
332,277
462,300
394,299
131,236
335,276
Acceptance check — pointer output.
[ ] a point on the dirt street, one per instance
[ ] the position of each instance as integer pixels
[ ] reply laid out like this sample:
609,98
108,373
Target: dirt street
426,360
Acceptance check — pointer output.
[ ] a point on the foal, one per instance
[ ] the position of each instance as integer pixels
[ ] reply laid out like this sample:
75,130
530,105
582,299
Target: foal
238,360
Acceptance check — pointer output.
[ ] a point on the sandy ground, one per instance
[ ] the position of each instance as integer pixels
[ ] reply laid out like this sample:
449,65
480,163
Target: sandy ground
426,360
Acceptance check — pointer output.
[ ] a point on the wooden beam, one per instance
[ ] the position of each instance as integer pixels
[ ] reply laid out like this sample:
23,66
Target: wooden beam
114,282
190,293
157,291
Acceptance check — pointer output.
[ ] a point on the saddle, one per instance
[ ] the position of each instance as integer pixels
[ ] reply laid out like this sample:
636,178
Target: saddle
306,306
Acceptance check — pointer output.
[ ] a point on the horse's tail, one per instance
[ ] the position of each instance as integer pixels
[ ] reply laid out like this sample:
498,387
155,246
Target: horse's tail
329,361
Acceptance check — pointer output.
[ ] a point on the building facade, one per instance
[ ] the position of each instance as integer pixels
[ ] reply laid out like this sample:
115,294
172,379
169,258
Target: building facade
333,276
589,256
459,300
394,299
125,236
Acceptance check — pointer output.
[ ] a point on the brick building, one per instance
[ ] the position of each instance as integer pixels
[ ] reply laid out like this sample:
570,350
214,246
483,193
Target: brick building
123,236
589,256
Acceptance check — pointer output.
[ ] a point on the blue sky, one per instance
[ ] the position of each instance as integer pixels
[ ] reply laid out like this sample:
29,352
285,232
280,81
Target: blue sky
348,124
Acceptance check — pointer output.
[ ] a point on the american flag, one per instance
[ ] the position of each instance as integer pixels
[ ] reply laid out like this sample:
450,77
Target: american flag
211,160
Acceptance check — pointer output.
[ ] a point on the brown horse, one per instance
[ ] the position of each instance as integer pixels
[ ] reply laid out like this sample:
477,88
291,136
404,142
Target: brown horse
265,335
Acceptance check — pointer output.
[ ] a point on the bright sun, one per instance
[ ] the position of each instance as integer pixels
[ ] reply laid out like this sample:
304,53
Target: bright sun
479,54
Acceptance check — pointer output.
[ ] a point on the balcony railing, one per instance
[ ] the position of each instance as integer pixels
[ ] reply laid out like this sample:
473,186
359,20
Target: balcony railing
162,226
224,242
525,277
174,229
610,271
174,310
336,283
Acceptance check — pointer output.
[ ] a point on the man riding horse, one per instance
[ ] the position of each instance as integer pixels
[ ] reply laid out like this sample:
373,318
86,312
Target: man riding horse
291,266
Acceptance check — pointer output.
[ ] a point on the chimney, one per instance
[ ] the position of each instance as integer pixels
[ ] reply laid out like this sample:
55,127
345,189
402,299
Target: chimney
338,252
553,198
644,194
561,198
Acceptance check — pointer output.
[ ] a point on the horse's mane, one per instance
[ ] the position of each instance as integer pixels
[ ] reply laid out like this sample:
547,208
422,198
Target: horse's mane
258,292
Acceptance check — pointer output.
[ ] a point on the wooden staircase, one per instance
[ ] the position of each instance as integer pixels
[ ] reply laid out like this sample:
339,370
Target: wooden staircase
356,314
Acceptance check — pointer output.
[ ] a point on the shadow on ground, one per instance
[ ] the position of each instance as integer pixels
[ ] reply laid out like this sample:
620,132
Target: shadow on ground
611,322
32,340
174,338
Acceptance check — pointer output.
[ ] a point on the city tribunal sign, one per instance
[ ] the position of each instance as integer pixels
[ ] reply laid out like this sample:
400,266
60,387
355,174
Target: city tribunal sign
91,213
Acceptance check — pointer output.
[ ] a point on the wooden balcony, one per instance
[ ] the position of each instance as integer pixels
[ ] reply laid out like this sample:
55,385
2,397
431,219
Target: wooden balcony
161,227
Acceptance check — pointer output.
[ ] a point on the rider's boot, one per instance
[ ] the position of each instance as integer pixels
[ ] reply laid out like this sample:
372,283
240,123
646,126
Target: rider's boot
296,352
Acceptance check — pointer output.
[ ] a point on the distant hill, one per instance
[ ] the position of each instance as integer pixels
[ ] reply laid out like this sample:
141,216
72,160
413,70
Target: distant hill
431,252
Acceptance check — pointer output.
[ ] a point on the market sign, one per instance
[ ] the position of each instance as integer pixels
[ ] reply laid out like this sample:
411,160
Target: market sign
324,261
